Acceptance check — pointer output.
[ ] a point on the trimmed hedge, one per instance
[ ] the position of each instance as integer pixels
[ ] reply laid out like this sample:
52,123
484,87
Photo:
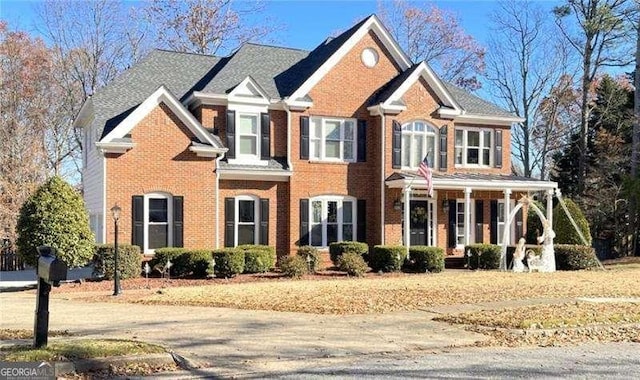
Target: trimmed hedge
196,262
229,262
387,258
575,257
293,266
129,261
352,263
565,233
307,250
258,258
162,255
337,249
426,259
484,256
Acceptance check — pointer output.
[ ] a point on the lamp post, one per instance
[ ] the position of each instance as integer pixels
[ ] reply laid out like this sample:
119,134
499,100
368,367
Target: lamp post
115,212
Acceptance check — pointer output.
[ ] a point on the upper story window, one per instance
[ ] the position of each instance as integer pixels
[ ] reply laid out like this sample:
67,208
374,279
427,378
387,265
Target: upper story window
473,147
248,135
418,141
332,139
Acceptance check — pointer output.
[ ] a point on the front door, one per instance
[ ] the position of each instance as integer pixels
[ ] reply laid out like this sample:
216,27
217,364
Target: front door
419,222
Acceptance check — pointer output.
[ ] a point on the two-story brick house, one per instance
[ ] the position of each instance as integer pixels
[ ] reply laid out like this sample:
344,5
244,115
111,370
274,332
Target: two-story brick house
287,147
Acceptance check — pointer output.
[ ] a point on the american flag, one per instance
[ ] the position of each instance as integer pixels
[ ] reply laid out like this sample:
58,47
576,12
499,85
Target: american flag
425,171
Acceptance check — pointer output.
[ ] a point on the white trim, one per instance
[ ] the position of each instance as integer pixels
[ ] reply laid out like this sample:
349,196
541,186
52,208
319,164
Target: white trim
258,94
371,24
255,175
319,156
161,95
339,214
481,147
482,119
461,184
85,115
114,146
206,151
432,214
430,130
145,208
383,194
256,218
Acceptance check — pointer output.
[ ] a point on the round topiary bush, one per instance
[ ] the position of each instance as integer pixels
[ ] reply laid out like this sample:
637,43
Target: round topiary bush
484,256
129,261
55,215
565,232
353,264
575,257
426,259
387,258
311,257
229,262
534,224
337,249
293,266
258,258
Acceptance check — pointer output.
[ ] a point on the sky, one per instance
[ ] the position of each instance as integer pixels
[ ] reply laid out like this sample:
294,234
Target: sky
305,23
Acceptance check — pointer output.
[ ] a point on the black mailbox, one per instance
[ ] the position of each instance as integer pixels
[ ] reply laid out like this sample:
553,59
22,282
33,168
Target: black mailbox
50,269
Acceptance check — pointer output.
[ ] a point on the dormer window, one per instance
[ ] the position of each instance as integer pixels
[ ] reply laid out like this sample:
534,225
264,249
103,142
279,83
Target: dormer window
247,142
248,132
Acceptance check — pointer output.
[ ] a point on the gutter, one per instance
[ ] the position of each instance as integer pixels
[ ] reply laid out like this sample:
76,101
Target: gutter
382,176
288,111
217,187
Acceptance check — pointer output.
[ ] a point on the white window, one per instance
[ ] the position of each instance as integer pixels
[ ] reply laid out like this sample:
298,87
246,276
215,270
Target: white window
248,136
246,220
332,139
501,219
332,219
157,217
461,226
473,147
418,141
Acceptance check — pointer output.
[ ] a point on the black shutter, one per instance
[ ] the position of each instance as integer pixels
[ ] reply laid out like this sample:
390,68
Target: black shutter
396,143
137,221
362,140
498,151
229,222
362,221
453,241
443,149
494,222
479,220
265,136
519,225
264,221
231,134
304,222
178,221
304,137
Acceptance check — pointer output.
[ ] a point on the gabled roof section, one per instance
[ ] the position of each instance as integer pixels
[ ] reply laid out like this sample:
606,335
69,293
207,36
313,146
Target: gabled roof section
322,59
161,95
249,91
474,105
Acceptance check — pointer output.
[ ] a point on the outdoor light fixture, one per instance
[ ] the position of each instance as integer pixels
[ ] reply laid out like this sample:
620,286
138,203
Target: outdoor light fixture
397,205
115,213
445,204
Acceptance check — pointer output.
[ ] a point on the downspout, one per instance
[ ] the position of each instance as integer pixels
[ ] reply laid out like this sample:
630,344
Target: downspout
382,173
218,159
288,111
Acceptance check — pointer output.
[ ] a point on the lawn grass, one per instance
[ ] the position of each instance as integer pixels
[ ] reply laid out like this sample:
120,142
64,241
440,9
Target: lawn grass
9,334
78,349
402,293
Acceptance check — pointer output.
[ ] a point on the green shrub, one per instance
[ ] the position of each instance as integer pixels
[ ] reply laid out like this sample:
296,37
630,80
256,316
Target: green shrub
339,248
129,261
484,256
575,257
534,224
229,262
196,263
293,266
55,215
426,259
258,258
565,233
353,264
387,258
309,251
162,255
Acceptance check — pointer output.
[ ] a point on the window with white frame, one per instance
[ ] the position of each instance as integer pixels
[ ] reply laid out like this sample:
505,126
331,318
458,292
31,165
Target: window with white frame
501,219
248,136
158,218
332,219
332,139
460,225
246,220
473,147
418,141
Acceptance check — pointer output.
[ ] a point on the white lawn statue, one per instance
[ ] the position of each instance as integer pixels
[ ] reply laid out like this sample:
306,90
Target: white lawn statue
547,258
518,256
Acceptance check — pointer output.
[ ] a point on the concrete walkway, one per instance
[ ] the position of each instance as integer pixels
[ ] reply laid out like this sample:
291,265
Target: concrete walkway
234,342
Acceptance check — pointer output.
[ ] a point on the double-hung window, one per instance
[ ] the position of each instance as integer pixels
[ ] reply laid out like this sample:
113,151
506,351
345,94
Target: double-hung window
332,139
473,147
247,136
332,219
246,226
418,141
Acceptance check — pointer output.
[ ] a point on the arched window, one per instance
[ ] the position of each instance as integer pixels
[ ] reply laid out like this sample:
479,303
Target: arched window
332,219
418,141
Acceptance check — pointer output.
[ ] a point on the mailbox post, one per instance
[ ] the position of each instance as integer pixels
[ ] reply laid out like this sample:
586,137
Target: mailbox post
50,271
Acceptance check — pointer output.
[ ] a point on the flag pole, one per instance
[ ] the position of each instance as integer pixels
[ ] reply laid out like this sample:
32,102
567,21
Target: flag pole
407,199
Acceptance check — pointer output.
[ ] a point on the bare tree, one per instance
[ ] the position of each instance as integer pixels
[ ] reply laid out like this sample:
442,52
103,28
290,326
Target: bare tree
523,61
206,26
434,35
601,40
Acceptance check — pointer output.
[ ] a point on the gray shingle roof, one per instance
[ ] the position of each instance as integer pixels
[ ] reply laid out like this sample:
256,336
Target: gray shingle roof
473,104
466,176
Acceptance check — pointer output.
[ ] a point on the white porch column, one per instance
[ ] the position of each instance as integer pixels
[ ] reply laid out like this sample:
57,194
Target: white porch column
467,216
407,197
550,206
507,212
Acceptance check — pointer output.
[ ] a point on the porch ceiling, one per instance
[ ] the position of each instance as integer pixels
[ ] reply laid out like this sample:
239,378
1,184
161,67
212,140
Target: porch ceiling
475,181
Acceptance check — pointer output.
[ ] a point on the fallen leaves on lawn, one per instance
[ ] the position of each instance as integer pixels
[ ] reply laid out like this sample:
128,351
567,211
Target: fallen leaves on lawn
558,337
12,334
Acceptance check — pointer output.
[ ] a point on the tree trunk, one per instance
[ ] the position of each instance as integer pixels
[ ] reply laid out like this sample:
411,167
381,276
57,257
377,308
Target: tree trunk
635,149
